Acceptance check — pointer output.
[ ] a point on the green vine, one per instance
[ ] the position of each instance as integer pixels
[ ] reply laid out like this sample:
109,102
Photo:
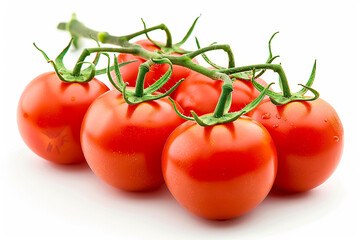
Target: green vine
164,56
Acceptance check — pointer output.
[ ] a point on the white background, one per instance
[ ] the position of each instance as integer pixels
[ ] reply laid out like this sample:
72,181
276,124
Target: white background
41,200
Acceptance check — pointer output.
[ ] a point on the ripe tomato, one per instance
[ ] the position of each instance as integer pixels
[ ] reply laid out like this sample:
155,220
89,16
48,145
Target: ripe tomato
200,94
123,143
129,72
309,141
50,113
221,171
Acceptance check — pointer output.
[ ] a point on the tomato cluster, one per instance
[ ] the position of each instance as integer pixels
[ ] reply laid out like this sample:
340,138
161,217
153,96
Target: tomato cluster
219,171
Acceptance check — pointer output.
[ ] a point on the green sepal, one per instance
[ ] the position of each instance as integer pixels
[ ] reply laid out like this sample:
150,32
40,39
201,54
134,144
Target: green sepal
164,78
210,120
116,67
129,96
205,57
177,46
111,68
172,48
66,75
247,75
279,99
148,37
131,99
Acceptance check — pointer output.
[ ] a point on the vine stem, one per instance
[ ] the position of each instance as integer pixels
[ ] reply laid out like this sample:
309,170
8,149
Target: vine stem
224,47
78,28
275,67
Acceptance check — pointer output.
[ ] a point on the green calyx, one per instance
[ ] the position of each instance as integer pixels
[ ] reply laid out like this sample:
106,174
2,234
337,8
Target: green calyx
67,75
286,96
224,116
140,94
78,74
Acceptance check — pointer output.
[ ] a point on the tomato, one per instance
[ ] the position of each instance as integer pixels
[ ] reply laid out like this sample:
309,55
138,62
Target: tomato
221,171
309,140
129,72
50,113
200,94
123,143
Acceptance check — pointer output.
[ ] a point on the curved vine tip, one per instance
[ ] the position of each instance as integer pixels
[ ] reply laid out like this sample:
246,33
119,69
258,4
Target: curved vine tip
186,37
205,57
148,37
309,82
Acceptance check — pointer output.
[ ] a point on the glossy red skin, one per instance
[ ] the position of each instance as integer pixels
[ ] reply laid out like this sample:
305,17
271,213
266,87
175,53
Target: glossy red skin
50,113
220,172
309,140
129,72
200,94
123,143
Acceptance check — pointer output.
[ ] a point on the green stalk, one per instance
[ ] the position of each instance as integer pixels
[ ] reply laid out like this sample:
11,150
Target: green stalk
224,47
275,67
227,88
140,81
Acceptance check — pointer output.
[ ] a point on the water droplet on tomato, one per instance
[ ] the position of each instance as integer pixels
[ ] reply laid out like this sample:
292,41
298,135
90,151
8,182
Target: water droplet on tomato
73,98
336,138
266,116
325,120
275,126
277,116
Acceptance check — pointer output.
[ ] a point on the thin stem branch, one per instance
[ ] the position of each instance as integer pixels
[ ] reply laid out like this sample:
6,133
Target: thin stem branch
275,67
224,47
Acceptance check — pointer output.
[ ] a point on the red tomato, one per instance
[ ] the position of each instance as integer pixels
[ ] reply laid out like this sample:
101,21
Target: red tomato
200,94
123,143
222,171
129,72
309,141
50,113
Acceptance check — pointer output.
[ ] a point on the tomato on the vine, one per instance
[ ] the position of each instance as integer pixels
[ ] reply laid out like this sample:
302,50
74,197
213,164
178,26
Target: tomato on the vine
50,113
201,93
220,171
129,72
123,143
309,140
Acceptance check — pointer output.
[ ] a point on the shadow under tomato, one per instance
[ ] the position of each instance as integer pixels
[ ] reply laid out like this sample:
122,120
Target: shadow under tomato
289,195
246,218
227,223
159,192
71,168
